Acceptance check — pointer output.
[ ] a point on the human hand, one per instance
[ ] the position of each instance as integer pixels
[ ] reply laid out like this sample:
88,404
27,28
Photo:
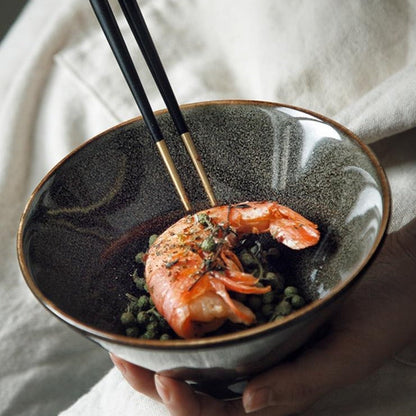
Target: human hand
375,321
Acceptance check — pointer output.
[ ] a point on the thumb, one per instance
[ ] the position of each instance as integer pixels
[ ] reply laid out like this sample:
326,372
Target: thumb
294,386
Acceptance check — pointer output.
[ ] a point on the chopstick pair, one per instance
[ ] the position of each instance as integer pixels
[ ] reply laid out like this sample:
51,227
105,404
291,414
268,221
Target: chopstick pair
141,33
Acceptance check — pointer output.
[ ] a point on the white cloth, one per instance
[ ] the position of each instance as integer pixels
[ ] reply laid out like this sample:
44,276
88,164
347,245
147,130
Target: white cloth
351,61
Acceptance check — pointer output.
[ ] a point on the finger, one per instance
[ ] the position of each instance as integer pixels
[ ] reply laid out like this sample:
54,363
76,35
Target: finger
141,379
181,400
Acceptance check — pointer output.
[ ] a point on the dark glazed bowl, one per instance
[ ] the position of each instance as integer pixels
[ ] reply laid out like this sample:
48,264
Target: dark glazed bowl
90,215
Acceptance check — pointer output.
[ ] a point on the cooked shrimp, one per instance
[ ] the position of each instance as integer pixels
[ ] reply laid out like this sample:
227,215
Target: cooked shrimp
191,266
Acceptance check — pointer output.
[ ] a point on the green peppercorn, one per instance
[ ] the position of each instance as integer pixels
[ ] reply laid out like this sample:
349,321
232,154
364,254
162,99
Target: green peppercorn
151,330
140,282
127,318
152,239
297,301
271,276
208,244
152,326
139,257
153,317
142,318
275,280
283,308
143,302
247,258
203,219
132,332
258,273
268,297
290,291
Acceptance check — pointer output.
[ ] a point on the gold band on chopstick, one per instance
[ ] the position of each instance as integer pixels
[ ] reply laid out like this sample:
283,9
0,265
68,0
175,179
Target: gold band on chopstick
190,147
167,159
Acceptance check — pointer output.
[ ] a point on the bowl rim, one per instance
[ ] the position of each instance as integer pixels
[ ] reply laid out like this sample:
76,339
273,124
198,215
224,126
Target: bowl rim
217,340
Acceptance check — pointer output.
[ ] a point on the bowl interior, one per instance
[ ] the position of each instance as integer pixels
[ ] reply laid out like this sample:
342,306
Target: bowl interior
95,210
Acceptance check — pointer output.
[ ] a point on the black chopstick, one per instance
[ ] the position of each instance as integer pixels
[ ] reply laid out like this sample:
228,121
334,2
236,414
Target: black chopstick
142,35
115,39
143,38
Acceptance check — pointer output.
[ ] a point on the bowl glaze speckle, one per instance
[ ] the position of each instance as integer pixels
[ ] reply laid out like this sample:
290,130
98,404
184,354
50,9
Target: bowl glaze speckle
89,216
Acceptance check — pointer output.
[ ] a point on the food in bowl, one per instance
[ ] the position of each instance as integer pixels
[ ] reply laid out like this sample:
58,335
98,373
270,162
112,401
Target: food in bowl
191,269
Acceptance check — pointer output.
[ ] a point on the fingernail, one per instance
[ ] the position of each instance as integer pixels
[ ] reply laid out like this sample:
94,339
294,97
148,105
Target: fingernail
257,400
119,364
162,388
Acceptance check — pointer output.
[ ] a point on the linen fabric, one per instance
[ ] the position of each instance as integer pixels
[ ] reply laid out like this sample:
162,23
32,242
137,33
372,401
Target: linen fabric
60,85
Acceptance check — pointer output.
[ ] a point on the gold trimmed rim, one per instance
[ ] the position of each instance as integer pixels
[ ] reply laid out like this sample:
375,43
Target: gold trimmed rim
236,337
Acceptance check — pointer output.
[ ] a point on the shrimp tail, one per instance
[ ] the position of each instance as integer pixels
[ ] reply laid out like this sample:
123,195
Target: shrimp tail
293,230
231,260
235,278
241,313
242,283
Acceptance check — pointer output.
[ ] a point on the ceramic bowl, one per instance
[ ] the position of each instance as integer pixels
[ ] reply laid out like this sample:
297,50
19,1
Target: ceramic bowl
85,222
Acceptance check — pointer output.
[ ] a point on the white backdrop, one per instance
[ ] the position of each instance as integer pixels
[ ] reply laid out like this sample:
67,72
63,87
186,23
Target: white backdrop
352,61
